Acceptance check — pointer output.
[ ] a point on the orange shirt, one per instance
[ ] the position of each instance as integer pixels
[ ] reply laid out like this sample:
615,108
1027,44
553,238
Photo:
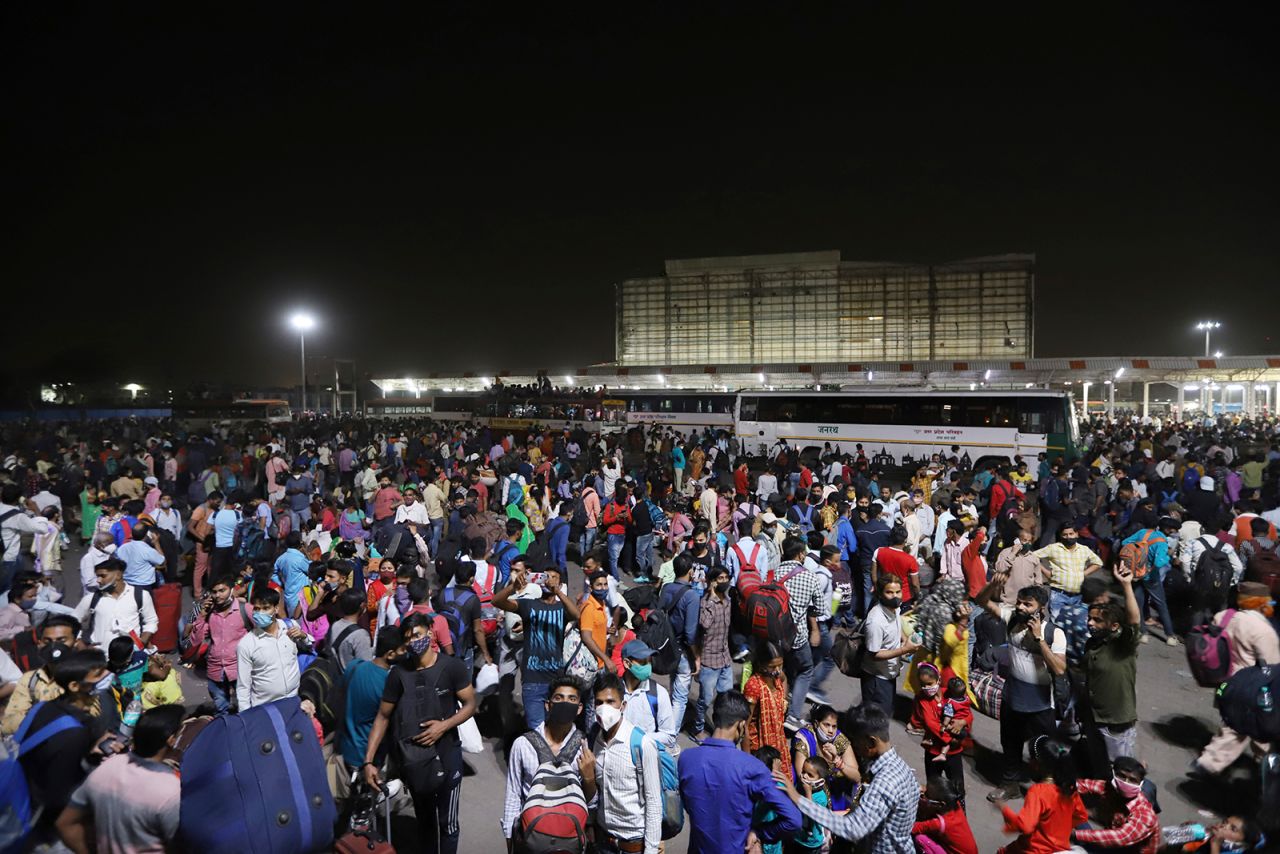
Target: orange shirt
592,618
1045,822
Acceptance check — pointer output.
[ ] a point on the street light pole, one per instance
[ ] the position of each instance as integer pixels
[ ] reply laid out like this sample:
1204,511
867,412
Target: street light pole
302,322
1208,326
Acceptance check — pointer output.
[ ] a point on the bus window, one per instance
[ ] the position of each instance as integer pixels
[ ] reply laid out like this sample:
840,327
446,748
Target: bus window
747,408
849,411
880,412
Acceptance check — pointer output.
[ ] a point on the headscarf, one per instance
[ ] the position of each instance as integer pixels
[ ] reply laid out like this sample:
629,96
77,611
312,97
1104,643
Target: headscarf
937,610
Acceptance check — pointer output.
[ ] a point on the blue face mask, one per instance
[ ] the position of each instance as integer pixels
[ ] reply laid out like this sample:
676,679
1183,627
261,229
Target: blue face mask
262,620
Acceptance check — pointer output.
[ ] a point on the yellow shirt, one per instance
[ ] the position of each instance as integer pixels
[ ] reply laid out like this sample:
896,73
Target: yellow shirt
165,692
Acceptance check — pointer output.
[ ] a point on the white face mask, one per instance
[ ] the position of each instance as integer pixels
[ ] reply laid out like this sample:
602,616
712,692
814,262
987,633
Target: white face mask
608,715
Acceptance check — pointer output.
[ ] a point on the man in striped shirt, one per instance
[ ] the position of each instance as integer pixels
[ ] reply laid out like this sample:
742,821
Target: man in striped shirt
629,809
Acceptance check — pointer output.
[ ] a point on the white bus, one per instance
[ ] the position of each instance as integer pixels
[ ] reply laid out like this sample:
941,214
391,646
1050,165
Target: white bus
902,429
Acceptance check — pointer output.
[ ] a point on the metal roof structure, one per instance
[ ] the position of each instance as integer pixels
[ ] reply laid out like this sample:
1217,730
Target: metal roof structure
1002,373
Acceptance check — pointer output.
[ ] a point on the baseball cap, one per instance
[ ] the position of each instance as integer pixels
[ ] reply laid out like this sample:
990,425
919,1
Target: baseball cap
637,650
767,518
151,481
1206,483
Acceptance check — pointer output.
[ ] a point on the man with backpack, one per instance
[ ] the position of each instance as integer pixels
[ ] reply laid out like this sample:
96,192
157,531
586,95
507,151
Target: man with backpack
224,519
803,514
648,704
219,625
461,605
507,549
1251,640
1213,567
551,777
425,700
267,657
557,536
628,777
347,641
55,637
115,609
680,600
649,521
873,535
803,589
1146,556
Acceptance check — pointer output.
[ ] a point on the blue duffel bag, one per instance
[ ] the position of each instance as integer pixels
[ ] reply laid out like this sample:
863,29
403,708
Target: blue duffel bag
255,783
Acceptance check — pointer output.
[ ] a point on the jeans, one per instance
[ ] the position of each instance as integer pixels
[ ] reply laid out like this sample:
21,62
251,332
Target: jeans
1059,599
822,655
799,666
534,695
223,694
644,555
297,517
862,590
1151,588
712,681
437,531
587,541
8,569
681,681
616,544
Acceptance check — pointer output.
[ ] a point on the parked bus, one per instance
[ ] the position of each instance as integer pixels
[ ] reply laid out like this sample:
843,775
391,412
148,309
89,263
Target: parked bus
234,413
901,429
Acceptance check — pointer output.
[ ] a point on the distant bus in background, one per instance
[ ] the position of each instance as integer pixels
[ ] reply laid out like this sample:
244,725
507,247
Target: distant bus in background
233,413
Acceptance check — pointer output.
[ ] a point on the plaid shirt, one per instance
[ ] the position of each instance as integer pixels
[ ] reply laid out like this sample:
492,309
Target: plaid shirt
713,622
1136,830
1067,566
804,590
885,812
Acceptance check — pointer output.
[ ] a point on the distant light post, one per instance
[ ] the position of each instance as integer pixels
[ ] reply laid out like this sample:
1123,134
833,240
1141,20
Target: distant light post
1207,326
302,322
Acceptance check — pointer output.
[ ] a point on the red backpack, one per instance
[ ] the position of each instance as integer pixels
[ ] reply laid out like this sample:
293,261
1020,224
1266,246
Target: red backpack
1137,556
1209,652
768,611
490,617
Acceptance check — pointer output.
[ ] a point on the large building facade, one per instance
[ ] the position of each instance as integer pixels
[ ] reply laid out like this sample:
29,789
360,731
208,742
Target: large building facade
814,307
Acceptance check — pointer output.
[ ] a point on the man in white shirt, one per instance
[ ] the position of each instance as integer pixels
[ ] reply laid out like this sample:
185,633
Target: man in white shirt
412,510
167,518
630,793
116,609
16,519
766,487
102,547
267,657
610,471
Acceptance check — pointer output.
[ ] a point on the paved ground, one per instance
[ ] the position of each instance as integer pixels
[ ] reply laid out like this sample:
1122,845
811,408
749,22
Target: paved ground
1177,718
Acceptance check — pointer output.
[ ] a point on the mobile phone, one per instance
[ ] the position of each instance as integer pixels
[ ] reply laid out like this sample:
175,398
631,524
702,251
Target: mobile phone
538,578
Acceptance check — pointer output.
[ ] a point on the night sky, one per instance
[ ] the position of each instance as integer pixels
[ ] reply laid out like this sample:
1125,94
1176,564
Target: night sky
460,190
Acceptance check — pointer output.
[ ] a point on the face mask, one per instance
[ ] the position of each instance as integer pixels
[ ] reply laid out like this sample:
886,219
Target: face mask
1124,787
1069,542
929,690
641,671
166,504
418,646
387,577
104,683
892,604
547,591
262,620
53,652
26,604
722,588
813,782
608,716
222,606
107,587
600,595
562,712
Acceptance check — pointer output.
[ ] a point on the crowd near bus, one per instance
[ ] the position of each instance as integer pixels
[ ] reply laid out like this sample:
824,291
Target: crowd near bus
274,636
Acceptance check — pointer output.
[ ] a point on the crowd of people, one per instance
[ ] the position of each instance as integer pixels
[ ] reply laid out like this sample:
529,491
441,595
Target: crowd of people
396,578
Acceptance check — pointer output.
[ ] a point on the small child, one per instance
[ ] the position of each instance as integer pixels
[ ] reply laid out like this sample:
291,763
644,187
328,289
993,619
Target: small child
763,814
955,705
813,779
941,825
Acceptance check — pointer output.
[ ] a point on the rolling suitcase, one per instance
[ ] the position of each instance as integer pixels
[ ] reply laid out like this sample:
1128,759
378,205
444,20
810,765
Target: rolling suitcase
167,599
363,836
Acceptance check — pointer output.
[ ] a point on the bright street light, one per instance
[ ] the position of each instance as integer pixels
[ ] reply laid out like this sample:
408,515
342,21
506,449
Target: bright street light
1217,354
1207,326
303,322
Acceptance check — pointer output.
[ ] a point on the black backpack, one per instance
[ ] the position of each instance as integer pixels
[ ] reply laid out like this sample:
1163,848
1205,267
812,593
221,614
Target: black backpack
579,517
323,685
658,635
1213,575
1247,702
538,557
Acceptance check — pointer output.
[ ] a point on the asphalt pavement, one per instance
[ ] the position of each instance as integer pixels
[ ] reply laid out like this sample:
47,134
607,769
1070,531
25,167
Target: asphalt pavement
1177,719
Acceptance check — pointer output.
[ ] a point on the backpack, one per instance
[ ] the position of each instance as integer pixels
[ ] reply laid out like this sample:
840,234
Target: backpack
420,766
323,685
86,629
805,522
452,613
454,622
656,516
579,518
1137,556
554,816
1190,479
538,556
846,651
254,783
669,603
15,797
490,616
197,491
672,807
1213,575
24,650
657,633
250,540
1264,567
192,650
1240,701
768,611
1209,651
747,564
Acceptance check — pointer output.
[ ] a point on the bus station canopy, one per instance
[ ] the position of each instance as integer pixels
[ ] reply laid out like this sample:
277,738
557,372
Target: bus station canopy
869,376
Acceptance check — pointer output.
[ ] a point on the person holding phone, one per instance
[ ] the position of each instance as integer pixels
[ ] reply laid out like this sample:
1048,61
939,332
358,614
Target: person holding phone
543,621
1110,668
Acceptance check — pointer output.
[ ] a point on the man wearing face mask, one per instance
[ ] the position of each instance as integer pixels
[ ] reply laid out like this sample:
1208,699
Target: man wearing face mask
712,658
1069,563
116,609
629,811
54,761
555,735
57,637
267,657
102,547
429,695
167,517
222,621
721,785
543,622
1110,668
1020,567
648,704
1125,817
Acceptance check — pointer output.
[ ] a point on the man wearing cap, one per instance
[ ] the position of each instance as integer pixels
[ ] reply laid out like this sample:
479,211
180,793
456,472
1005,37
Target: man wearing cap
1204,505
152,499
648,705
1252,641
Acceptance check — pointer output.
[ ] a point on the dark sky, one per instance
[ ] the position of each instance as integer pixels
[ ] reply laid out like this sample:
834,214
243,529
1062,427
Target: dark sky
460,190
